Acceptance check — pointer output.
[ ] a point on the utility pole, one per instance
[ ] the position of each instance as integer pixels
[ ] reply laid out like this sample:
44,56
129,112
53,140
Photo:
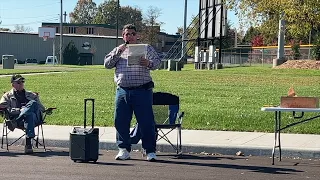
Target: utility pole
61,32
65,17
183,52
309,53
280,54
118,7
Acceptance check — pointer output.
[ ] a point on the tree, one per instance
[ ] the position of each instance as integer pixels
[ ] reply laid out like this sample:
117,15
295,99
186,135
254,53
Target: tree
179,30
4,29
316,49
300,16
84,12
229,39
250,34
131,16
257,41
152,25
107,14
70,54
21,28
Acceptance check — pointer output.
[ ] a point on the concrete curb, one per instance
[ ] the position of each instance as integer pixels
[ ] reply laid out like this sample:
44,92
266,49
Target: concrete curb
190,149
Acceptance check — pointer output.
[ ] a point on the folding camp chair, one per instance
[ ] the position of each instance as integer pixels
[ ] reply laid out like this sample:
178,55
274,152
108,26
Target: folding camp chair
166,112
5,131
167,116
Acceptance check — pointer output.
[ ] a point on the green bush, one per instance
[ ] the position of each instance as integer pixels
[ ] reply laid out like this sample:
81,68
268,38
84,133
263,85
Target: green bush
71,54
296,51
316,49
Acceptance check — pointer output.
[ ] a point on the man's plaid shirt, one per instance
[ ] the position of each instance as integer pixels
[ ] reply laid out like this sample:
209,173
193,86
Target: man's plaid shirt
131,76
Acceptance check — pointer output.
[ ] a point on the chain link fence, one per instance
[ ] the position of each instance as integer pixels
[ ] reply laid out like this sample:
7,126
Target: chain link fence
246,56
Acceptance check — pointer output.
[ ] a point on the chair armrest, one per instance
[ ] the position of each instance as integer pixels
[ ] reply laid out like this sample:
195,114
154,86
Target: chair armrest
48,111
180,117
4,112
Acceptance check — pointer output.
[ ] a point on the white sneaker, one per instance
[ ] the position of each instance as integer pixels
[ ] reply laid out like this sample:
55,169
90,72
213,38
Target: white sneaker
123,154
151,157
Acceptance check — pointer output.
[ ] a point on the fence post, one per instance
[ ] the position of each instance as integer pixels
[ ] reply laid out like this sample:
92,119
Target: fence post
262,56
240,56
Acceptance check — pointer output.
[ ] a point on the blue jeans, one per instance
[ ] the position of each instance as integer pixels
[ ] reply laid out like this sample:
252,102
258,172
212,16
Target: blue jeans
29,118
138,101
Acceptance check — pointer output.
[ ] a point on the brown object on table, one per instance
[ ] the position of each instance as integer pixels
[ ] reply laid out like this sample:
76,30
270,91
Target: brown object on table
299,102
291,92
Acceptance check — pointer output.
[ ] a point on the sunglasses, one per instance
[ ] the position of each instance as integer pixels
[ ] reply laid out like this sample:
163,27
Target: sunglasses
132,34
19,82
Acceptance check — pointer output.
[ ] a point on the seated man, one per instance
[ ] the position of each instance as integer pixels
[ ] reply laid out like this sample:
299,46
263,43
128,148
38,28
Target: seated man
25,109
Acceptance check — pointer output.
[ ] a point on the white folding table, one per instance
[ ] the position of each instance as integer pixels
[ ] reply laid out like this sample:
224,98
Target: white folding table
277,112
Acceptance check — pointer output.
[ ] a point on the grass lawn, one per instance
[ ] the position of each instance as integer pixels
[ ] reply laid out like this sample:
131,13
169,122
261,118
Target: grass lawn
229,99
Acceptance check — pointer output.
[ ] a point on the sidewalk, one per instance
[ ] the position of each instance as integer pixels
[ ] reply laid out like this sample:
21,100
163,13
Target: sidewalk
198,141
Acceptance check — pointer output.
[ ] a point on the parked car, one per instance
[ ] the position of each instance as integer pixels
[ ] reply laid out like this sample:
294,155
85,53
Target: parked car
31,61
21,61
49,60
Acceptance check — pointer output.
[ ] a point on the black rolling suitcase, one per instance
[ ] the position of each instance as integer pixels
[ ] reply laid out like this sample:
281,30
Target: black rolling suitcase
84,142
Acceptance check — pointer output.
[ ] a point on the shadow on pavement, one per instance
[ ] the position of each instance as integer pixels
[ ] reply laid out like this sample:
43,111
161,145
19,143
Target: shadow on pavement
183,160
37,152
260,169
199,157
113,164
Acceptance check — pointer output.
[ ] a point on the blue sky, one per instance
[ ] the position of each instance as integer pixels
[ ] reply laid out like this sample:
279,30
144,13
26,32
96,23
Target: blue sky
32,13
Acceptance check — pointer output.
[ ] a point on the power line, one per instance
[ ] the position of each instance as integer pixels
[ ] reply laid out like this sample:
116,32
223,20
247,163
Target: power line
28,23
25,8
52,15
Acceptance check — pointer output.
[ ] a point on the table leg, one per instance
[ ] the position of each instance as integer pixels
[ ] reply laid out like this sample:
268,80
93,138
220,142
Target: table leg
275,135
277,119
279,127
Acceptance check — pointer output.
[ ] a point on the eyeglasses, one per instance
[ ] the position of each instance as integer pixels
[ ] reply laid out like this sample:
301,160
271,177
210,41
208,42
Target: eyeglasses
132,34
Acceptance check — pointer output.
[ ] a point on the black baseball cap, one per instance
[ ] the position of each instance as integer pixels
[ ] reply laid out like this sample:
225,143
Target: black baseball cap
17,78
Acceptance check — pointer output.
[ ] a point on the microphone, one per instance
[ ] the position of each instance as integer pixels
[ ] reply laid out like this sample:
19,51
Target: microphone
120,51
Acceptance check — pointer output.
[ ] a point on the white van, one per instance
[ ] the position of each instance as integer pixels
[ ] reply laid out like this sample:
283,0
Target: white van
49,60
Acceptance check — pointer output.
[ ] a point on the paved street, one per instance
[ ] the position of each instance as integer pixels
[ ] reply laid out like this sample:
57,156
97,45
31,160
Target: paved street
56,164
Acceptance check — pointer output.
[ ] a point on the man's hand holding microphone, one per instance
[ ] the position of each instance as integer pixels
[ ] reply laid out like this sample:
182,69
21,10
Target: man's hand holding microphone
121,48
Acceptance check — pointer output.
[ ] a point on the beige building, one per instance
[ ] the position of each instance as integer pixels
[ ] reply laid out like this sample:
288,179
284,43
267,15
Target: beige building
84,29
166,41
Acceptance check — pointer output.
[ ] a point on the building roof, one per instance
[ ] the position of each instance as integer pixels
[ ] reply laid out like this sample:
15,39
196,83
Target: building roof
58,34
80,25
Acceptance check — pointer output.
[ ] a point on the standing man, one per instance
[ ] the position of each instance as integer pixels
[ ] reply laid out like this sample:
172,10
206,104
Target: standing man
134,94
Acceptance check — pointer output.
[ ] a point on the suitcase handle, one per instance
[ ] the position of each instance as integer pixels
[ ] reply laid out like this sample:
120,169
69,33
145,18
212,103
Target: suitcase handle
85,112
